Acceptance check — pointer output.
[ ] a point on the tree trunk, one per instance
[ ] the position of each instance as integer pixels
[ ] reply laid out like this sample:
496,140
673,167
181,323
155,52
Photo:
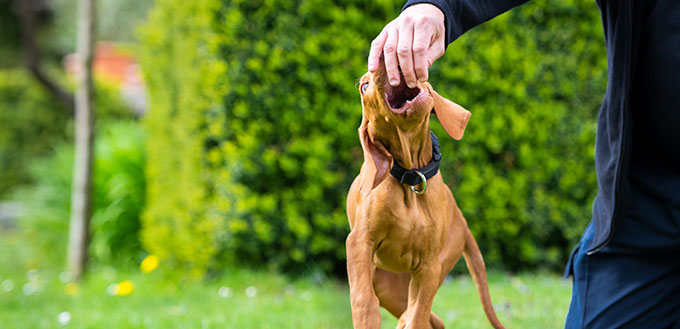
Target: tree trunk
81,191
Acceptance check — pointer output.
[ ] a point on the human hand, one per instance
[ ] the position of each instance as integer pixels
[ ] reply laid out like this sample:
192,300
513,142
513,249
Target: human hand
412,42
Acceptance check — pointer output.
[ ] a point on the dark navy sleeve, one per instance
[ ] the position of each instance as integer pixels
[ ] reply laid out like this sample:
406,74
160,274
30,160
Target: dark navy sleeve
462,15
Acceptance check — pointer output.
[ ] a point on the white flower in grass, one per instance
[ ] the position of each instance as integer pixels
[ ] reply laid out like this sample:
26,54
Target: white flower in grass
29,289
32,275
7,285
112,289
64,318
177,310
224,292
65,277
251,291
306,295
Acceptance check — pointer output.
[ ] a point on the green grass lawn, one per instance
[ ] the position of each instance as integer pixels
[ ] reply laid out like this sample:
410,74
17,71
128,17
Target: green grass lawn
37,298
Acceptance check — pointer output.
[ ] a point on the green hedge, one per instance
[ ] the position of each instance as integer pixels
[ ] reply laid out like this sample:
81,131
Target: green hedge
252,129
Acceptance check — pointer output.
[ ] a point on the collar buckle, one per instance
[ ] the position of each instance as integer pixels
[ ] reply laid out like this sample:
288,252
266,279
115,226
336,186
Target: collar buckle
415,177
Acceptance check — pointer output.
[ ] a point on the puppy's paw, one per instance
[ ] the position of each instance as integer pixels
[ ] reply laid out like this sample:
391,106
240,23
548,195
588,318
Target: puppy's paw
407,321
436,322
401,324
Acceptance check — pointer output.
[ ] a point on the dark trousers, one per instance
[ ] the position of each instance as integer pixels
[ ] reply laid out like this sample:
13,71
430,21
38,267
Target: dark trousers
633,282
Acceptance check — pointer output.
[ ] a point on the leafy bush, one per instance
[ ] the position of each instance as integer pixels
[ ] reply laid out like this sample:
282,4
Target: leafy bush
32,121
118,197
252,129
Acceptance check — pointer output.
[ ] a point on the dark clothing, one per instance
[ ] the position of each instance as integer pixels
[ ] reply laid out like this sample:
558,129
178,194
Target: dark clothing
626,268
643,53
638,135
624,285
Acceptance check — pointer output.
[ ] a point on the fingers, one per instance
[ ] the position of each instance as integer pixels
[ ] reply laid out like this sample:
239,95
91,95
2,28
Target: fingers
391,60
405,53
376,50
421,51
412,42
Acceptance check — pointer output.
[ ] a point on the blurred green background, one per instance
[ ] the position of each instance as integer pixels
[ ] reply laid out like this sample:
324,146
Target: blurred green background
226,143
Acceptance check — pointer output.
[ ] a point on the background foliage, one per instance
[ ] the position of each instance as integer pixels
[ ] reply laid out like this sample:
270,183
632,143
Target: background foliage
116,20
119,192
32,122
252,130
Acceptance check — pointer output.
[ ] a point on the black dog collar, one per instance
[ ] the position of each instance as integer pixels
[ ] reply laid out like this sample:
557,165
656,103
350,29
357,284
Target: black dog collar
413,177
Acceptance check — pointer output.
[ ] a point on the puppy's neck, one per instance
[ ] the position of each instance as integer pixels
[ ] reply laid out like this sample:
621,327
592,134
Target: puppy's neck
411,148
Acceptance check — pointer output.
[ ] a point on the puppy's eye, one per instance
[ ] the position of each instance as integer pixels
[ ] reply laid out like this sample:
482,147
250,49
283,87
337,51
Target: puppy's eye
364,87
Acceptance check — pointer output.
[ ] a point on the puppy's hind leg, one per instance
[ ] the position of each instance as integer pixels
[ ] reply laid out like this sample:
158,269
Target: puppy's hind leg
392,291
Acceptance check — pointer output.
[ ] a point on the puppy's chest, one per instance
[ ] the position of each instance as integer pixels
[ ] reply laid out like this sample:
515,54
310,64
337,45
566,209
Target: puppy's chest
407,233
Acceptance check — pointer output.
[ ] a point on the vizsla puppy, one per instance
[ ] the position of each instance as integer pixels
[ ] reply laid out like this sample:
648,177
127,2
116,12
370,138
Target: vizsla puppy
405,237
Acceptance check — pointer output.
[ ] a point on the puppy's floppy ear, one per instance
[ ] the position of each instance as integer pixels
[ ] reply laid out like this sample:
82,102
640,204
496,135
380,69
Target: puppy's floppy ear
452,116
377,161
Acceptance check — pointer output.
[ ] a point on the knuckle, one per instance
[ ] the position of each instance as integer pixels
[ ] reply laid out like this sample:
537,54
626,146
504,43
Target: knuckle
389,48
419,49
403,51
421,20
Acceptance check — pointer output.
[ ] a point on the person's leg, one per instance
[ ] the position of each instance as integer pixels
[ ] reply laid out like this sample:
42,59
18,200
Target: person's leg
631,291
621,291
634,282
577,267
626,284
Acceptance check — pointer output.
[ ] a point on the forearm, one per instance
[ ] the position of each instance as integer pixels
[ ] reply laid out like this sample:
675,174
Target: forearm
463,15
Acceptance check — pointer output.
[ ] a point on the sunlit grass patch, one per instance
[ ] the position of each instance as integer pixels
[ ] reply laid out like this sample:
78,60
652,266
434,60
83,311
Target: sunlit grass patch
35,297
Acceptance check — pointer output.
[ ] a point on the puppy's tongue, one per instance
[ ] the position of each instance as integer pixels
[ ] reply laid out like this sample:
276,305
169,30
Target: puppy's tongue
399,95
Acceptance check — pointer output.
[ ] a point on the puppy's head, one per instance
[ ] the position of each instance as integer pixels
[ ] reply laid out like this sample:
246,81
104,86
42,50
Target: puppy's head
405,107
400,105
386,107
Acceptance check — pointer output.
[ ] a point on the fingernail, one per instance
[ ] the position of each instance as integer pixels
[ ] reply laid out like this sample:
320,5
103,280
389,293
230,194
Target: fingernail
411,84
394,82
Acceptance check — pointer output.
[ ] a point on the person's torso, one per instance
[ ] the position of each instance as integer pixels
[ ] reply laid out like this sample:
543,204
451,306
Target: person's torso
653,219
655,92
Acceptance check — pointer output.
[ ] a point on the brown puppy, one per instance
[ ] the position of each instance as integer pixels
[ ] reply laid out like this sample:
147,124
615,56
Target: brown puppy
403,244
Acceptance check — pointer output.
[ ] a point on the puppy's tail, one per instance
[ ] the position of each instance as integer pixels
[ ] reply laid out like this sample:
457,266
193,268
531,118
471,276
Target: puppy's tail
475,264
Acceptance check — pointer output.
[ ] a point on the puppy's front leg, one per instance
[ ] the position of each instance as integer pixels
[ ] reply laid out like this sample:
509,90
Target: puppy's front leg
360,268
421,291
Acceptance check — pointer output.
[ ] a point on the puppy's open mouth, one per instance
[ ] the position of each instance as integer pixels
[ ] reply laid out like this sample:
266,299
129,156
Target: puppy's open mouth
399,98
